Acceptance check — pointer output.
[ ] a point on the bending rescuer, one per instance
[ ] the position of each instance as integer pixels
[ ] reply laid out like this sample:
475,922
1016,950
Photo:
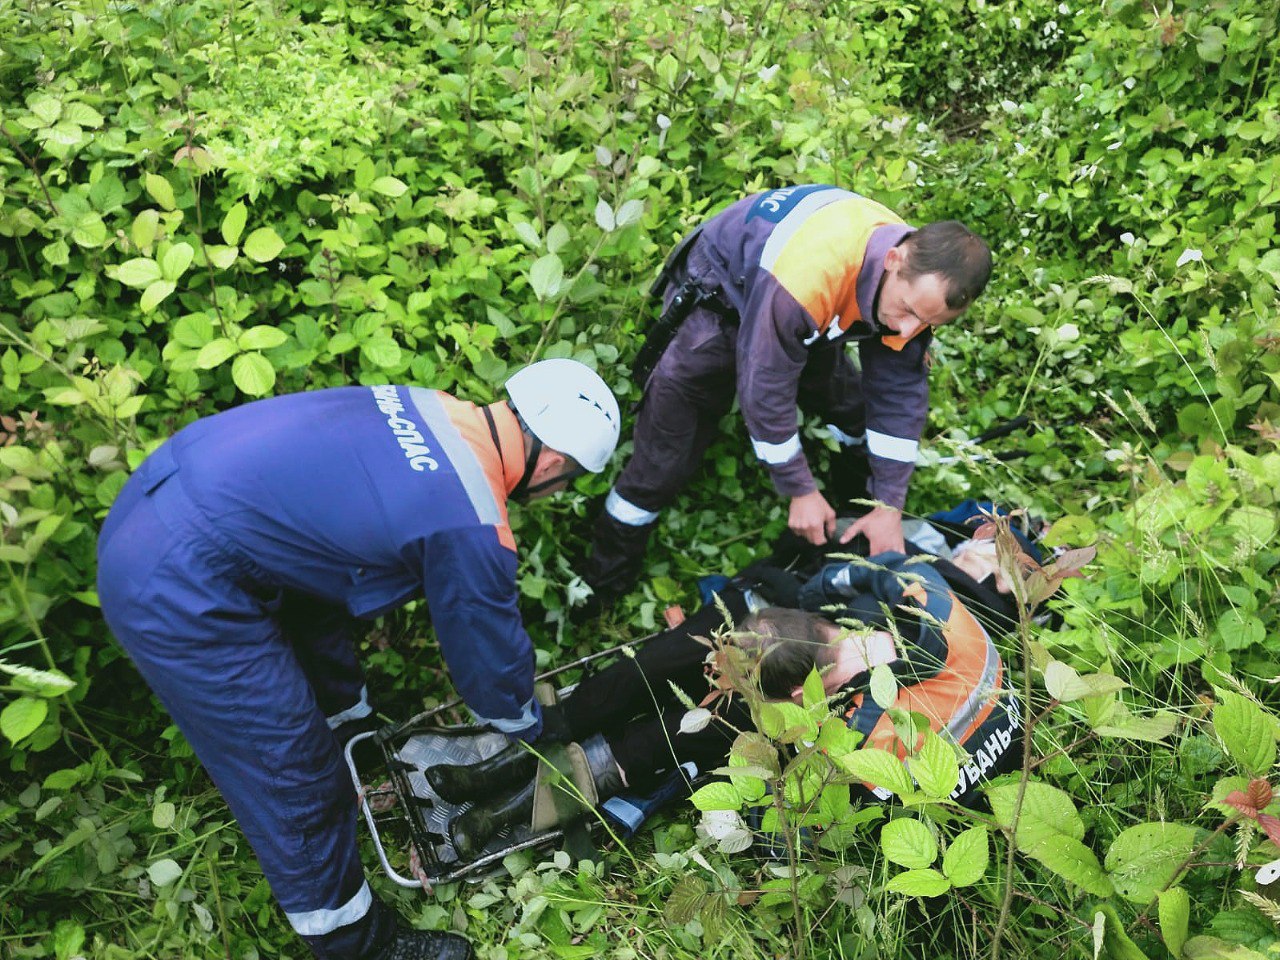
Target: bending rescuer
235,564
760,302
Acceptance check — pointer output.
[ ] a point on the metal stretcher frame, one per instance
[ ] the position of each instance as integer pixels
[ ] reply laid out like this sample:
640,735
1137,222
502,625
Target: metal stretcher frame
430,869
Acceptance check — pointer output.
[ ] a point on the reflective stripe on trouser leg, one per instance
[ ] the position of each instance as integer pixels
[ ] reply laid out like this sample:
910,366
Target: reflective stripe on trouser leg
624,511
224,670
357,711
892,448
675,424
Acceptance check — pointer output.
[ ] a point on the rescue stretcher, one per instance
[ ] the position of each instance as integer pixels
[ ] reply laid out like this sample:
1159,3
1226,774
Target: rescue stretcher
409,823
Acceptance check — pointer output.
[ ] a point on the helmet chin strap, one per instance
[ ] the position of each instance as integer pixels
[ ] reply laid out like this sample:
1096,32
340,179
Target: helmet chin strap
523,490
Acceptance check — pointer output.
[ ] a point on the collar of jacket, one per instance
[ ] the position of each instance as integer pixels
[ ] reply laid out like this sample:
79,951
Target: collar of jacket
510,446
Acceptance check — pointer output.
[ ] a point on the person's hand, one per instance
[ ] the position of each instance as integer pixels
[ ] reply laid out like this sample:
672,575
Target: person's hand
882,528
812,518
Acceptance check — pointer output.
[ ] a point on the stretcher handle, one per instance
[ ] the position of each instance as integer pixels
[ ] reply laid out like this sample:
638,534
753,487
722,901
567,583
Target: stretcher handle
1002,429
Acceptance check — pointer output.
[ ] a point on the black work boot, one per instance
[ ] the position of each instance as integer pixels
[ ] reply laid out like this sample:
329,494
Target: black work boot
410,944
456,782
472,829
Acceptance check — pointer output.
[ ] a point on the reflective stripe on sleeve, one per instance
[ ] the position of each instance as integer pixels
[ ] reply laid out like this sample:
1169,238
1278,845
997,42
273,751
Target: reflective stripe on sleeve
357,711
468,469
515,725
624,511
776,454
892,448
845,439
316,923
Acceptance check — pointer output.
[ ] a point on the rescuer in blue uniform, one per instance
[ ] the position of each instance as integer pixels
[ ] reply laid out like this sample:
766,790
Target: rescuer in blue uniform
237,561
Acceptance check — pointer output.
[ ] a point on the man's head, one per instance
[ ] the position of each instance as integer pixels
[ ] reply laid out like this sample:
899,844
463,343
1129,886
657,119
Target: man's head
570,420
790,643
931,277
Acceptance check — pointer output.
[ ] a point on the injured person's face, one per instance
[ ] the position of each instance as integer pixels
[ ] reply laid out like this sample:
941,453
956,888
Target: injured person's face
978,559
849,654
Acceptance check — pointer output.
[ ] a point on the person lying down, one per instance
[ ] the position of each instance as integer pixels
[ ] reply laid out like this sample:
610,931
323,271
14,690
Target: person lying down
623,723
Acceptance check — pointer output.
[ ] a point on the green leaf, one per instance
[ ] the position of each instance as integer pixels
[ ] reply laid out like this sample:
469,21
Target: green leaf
176,259
1211,948
262,245
253,374
1151,728
908,843
155,293
557,237
46,683
1175,915
716,796
107,194
604,216
1143,858
22,717
878,768
884,686
81,114
919,883
145,226
813,692
545,276
1212,44
163,814
1072,860
1116,944
630,212
58,254
220,256
262,337
68,939
233,223
381,351
63,779
215,352
935,767
389,187
164,872
1245,732
1065,685
139,272
160,190
46,108
363,173
787,722
1050,830
90,232
967,857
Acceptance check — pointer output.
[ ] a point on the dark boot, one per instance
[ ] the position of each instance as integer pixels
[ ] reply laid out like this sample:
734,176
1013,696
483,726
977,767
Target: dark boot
614,565
412,944
472,829
488,778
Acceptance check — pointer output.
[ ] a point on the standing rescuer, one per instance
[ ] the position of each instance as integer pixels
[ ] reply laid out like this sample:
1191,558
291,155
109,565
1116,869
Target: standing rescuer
237,561
759,302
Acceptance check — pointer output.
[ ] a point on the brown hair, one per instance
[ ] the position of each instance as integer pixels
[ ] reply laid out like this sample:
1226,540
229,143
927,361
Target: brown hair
789,642
953,251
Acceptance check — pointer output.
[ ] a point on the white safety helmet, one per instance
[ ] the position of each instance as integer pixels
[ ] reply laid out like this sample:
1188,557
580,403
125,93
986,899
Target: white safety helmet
567,406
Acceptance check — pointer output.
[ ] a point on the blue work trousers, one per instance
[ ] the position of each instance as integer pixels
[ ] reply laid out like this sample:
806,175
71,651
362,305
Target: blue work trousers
256,678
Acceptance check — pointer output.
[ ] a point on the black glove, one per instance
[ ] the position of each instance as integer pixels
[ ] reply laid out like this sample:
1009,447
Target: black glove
555,725
779,587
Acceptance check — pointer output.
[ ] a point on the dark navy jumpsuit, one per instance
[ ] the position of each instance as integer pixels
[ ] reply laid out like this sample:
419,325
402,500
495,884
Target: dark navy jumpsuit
798,270
233,567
